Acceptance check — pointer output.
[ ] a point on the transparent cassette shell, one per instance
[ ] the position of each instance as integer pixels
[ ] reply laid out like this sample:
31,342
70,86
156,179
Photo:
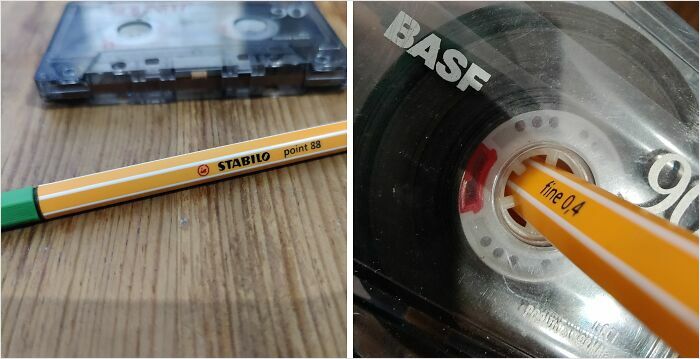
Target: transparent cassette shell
164,51
632,120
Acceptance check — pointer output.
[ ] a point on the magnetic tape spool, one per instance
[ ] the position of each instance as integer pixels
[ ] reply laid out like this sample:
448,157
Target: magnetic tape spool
416,134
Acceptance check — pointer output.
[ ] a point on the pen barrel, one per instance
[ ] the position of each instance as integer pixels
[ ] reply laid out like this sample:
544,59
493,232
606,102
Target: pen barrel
128,183
647,263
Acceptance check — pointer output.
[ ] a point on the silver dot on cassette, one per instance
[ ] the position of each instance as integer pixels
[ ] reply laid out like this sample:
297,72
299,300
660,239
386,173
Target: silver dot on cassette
537,122
553,122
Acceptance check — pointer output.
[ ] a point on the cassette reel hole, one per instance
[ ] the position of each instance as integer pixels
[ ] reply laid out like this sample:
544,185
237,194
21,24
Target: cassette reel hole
250,25
132,29
119,65
297,13
251,28
541,158
552,154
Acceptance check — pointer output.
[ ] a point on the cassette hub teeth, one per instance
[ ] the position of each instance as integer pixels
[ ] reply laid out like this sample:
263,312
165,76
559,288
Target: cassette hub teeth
552,154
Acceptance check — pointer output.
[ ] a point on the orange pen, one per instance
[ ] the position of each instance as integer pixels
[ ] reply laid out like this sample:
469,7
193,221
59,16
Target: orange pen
647,263
34,204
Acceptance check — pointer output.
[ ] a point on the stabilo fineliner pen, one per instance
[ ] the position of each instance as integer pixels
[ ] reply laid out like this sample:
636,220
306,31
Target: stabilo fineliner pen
647,263
30,205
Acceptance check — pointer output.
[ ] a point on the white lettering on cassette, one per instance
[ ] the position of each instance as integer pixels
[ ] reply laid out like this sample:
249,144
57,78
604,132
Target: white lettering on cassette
403,31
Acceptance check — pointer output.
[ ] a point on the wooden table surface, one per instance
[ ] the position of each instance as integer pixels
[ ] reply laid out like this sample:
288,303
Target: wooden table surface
251,266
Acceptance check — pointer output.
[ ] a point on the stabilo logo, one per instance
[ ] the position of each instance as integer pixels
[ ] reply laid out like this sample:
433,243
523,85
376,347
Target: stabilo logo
402,32
244,161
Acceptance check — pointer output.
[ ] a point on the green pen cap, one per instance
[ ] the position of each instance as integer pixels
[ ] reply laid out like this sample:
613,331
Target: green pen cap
19,208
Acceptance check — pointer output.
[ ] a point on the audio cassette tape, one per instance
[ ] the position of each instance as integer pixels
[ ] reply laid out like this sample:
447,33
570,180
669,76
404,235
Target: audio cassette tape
461,90
153,52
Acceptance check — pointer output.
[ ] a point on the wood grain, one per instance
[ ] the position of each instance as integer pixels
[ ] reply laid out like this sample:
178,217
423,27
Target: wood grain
687,10
252,266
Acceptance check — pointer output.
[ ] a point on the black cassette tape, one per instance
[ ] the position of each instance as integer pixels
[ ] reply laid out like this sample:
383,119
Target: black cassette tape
155,52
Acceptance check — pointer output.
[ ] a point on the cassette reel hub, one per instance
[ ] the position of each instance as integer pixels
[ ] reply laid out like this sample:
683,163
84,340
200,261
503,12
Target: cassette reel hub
502,239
